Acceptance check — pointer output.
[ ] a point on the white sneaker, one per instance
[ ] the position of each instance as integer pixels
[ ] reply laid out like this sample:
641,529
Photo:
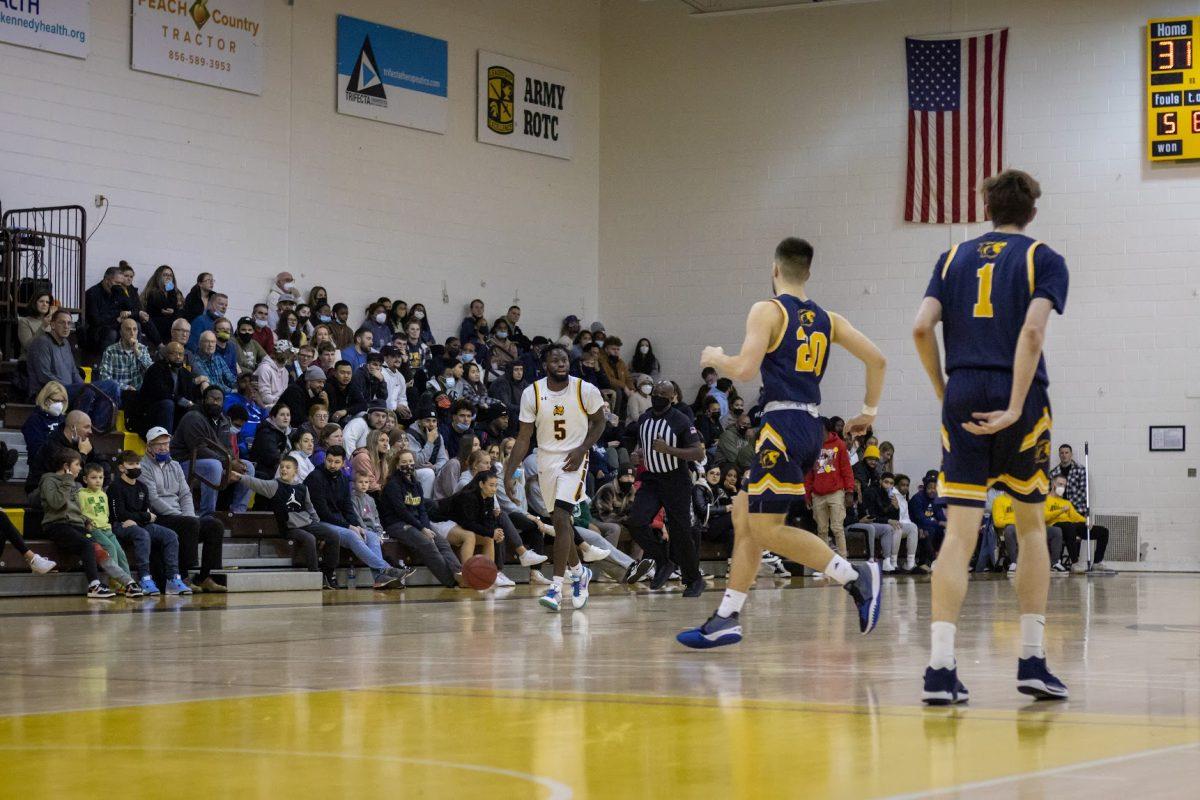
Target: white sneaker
818,576
887,566
532,559
503,580
41,565
1079,566
536,578
1012,568
593,553
910,565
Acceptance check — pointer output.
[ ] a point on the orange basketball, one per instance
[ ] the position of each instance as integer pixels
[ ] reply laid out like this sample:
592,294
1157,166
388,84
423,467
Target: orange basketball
479,572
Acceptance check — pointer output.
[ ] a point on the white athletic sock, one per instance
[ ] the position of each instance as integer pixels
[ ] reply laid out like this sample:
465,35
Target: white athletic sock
840,570
731,603
942,652
557,582
576,570
910,562
1033,628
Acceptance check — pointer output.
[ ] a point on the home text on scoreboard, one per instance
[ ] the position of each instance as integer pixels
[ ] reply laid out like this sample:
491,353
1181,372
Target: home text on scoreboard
1173,88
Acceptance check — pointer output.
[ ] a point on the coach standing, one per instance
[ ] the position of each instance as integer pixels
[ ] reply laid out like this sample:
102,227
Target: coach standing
667,441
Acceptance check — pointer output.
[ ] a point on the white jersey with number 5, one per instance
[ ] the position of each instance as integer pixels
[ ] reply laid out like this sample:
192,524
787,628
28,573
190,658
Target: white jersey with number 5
560,418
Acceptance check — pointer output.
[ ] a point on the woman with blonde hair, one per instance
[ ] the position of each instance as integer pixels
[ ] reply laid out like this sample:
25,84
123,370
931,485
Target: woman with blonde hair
372,460
49,414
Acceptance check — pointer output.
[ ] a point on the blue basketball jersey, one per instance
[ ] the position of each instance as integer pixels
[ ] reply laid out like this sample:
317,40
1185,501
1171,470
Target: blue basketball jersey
985,286
795,362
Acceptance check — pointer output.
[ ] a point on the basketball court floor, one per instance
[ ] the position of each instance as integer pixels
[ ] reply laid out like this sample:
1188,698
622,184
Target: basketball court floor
434,693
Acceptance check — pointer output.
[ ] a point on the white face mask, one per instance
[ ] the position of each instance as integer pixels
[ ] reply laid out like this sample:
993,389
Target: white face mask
56,409
450,381
645,389
644,349
1060,490
419,315
380,317
260,323
288,286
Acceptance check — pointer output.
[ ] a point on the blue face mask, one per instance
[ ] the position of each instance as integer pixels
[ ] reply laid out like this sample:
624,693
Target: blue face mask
162,458
467,358
169,286
324,317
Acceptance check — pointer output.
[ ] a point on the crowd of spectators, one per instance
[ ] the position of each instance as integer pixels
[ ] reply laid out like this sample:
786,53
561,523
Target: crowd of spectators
353,436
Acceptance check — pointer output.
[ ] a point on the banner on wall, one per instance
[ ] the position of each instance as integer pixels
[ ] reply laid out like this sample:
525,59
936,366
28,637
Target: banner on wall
215,42
525,106
391,75
58,26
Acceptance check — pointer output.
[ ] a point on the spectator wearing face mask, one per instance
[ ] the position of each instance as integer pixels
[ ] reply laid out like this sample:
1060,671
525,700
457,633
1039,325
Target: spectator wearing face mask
930,519
734,445
376,322
447,478
502,351
461,422
737,407
203,441
74,434
226,345
1062,513
644,360
588,368
272,374
271,441
1004,519
284,288
638,402
49,413
709,424
429,451
217,303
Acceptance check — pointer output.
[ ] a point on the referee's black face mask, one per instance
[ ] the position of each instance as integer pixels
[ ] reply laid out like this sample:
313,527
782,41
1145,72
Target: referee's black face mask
660,403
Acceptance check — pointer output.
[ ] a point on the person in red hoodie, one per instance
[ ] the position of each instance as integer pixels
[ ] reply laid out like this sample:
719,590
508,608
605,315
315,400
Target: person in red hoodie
830,488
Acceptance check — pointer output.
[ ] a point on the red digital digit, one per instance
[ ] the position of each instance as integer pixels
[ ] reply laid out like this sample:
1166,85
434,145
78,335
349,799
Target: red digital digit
1168,124
1196,121
1165,55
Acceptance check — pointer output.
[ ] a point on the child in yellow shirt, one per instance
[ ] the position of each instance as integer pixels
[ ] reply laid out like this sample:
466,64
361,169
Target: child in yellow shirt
93,502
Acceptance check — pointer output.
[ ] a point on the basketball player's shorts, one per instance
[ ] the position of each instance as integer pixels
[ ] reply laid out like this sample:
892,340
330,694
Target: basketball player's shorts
1015,460
558,484
789,443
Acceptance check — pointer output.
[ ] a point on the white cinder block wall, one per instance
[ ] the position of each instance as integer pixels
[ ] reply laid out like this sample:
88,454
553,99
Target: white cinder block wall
720,136
245,186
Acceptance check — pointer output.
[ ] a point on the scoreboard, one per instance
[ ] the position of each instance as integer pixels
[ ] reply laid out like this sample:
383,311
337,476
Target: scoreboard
1173,88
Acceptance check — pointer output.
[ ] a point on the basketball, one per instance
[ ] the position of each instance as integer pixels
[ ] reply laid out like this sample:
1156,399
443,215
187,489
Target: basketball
479,572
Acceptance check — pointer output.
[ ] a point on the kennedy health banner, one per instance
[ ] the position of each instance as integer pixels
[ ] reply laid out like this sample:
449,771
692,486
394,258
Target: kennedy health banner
217,42
60,26
524,105
391,75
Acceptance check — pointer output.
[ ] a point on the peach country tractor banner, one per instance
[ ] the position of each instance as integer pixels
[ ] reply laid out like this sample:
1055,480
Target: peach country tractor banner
217,42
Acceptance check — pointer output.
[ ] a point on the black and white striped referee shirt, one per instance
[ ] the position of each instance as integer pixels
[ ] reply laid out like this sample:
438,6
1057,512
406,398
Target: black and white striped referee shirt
676,430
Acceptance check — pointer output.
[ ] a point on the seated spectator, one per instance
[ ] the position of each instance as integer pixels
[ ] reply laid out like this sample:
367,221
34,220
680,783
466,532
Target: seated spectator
103,311
181,332
515,334
708,424
162,301
588,368
1062,512
207,363
320,332
446,381
447,478
1004,520
713,509
393,378
568,331
887,458
39,565
644,361
289,499
356,430
260,314
343,334
614,499
470,324
303,446
318,418
330,436
130,301
372,460
720,392
35,318
288,329
50,358
356,354
284,288
877,511
300,397
417,353
507,390
125,362
581,342
327,358
734,445
272,374
306,356
472,388
226,347
201,443
930,519
169,390
272,441
135,526
708,382
217,303
429,450
338,392
247,398
497,430
417,312
373,532
376,322
474,509
48,415
830,489
903,527
395,320
93,503
638,402
248,351
737,407
63,521
460,423
501,348
404,516
329,492
367,387
197,297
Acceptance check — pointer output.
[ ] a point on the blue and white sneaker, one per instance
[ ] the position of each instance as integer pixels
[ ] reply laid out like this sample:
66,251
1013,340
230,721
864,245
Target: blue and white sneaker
1033,678
943,688
149,587
177,586
718,631
579,587
865,591
551,598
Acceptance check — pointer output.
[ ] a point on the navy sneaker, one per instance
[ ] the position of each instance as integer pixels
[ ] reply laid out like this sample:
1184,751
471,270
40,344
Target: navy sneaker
943,688
1033,678
718,631
865,591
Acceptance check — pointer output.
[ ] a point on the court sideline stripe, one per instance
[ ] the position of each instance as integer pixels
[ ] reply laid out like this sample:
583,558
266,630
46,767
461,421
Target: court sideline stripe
1042,773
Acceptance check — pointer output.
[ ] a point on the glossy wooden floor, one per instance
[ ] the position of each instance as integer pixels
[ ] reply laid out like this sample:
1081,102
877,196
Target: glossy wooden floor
433,693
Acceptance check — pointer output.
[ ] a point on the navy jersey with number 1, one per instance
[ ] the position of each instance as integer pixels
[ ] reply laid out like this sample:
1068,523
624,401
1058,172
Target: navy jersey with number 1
985,287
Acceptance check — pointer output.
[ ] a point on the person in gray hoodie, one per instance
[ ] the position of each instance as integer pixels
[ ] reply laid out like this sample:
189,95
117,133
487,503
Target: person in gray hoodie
428,449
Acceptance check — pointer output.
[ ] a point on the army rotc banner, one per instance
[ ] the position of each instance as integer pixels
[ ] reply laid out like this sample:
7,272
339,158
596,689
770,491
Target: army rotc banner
391,75
525,106
217,42
60,26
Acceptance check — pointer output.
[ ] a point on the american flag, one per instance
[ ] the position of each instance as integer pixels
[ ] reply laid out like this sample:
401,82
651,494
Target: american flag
955,124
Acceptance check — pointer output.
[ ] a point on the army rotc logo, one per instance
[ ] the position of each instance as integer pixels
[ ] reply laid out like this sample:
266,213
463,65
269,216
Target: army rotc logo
991,250
500,100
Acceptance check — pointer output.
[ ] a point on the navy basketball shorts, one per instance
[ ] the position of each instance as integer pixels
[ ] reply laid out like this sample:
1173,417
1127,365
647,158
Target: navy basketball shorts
789,443
1015,460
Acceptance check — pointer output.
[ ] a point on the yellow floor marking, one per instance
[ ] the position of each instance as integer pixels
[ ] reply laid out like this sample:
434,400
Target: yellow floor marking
433,741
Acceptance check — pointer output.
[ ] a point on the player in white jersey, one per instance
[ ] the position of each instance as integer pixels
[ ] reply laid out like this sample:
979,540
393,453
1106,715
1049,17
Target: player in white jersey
566,413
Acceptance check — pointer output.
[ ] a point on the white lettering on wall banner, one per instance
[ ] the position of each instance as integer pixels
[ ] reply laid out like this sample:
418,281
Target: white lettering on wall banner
59,26
525,106
216,42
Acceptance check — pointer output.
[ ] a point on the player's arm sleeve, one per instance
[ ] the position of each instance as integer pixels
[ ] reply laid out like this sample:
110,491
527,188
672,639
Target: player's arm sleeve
528,407
1050,278
592,399
934,289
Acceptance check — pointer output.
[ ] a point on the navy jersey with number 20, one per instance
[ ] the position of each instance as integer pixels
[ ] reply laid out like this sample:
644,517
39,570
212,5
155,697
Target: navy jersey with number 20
985,286
795,362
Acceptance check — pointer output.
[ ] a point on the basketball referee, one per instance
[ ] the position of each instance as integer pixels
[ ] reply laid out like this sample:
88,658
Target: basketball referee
667,441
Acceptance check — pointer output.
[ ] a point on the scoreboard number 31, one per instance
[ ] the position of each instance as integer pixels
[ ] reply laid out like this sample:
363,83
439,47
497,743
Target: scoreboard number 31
1173,89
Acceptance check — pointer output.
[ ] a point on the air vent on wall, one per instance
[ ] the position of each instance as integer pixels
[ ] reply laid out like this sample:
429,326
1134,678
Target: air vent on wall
1123,541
